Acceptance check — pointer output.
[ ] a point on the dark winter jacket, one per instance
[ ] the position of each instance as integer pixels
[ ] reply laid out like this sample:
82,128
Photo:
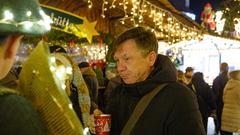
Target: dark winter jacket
204,95
218,86
173,111
17,115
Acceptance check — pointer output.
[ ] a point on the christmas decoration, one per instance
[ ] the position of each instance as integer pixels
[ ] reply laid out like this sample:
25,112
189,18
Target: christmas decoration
231,13
219,22
85,30
207,17
88,29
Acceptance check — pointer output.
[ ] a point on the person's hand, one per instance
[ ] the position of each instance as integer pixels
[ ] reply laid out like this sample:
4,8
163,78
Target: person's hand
213,115
96,112
92,124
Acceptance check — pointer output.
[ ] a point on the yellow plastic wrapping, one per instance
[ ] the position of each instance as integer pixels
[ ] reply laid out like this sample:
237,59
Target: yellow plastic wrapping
41,86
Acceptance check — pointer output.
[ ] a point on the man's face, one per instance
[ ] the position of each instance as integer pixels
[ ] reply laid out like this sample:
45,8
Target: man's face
189,74
132,66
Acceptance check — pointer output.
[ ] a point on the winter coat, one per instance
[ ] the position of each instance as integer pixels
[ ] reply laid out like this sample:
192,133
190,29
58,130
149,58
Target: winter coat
204,95
218,86
231,109
17,115
173,111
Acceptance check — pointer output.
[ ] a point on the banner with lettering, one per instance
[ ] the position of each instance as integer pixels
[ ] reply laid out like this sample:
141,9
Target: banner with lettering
71,23
61,18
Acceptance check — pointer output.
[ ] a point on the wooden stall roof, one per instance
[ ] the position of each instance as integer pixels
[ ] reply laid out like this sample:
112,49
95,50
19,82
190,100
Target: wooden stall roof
107,24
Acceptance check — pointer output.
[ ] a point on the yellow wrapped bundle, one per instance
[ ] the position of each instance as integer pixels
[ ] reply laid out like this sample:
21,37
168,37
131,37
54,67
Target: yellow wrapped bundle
47,92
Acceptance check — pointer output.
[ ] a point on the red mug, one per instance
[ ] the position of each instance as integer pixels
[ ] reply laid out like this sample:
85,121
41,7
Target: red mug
102,124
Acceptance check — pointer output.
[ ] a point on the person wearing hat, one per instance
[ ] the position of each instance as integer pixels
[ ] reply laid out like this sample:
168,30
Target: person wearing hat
18,18
188,75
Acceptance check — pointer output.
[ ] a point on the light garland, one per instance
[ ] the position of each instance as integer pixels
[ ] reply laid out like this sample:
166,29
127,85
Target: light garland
113,4
27,25
90,4
166,26
96,52
105,3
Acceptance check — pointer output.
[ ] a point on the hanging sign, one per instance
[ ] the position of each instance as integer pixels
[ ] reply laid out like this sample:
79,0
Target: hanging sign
61,18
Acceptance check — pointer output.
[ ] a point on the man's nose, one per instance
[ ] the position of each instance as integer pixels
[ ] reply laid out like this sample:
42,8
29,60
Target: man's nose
121,66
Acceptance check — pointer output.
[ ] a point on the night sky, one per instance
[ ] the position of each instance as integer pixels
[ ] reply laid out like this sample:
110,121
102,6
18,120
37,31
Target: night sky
196,6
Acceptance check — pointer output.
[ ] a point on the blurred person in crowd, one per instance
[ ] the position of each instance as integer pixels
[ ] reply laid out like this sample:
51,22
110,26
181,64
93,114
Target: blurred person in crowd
188,75
218,86
90,78
231,107
180,76
172,111
76,87
17,114
205,97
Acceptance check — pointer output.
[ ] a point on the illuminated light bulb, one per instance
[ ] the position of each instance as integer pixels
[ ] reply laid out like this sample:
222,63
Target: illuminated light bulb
89,6
27,25
69,70
113,6
122,22
52,68
103,16
8,15
29,13
41,12
70,106
63,86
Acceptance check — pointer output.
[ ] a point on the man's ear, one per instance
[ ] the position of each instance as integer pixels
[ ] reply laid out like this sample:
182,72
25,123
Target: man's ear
12,43
152,57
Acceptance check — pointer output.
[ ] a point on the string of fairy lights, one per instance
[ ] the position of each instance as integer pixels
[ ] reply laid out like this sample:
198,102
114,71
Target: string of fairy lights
9,18
166,25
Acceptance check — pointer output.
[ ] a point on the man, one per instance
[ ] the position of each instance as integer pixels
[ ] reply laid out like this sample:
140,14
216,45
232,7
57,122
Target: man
90,78
173,111
18,18
188,75
218,86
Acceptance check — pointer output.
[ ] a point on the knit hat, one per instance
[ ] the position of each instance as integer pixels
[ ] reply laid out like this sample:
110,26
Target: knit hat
23,17
83,64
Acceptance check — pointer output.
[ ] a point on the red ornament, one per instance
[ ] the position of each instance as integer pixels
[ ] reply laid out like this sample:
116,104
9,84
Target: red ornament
207,17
